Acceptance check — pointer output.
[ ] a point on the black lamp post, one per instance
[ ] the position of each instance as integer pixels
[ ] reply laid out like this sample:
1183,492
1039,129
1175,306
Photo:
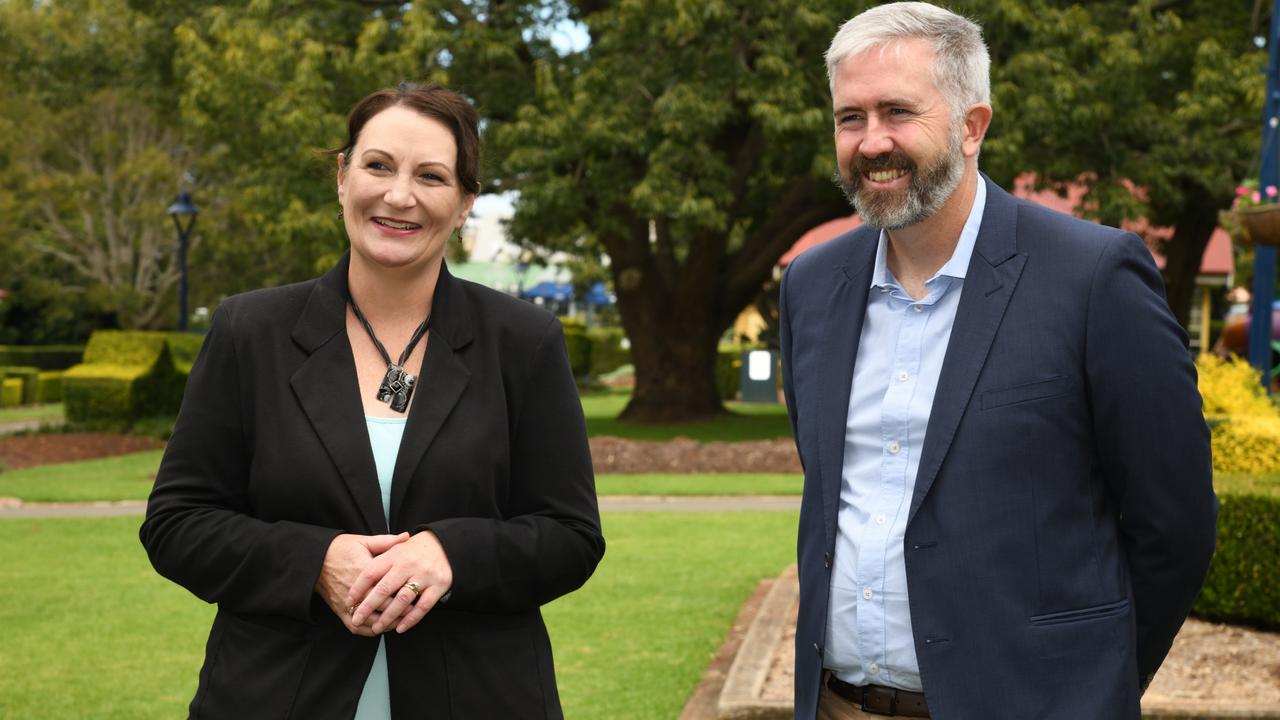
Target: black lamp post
183,211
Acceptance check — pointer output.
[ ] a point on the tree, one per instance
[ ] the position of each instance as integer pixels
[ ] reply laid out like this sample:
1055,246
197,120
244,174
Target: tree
1153,106
689,142
93,162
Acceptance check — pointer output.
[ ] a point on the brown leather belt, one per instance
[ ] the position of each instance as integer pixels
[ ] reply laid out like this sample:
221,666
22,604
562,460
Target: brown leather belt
879,700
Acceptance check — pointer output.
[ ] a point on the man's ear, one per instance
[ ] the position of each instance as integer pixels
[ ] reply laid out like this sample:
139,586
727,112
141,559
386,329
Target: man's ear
976,122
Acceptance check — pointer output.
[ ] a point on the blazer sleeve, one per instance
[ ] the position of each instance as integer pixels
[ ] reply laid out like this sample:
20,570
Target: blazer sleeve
549,541
198,530
1152,443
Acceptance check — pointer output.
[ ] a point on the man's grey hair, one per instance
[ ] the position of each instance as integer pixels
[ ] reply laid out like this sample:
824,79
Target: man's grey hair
961,65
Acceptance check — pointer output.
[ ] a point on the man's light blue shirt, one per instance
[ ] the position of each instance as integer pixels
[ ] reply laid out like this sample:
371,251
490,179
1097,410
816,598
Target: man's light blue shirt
900,353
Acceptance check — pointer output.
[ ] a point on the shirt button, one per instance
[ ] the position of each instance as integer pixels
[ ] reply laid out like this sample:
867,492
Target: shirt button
867,594
895,448
874,669
903,376
918,308
880,519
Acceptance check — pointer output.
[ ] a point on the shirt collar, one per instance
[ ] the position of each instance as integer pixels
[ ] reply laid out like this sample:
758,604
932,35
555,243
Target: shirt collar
958,264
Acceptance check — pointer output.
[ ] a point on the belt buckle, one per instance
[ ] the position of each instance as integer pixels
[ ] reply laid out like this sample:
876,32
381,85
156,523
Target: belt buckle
893,701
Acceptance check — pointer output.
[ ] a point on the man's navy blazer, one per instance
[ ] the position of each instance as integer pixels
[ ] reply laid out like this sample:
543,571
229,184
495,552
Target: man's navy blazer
1063,515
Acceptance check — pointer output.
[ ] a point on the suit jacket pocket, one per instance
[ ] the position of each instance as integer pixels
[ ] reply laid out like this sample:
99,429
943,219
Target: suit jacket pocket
1038,390
257,668
492,665
1092,612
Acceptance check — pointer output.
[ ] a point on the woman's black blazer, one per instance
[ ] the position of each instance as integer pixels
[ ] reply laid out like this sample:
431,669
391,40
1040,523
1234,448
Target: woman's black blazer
270,460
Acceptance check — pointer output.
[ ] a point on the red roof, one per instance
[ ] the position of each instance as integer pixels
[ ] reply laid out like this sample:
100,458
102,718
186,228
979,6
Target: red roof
1217,259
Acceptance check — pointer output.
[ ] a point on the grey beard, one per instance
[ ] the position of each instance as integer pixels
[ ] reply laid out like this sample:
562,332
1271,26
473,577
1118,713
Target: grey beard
928,191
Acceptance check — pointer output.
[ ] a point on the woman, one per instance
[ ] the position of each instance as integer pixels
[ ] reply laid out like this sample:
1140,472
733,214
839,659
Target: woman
381,474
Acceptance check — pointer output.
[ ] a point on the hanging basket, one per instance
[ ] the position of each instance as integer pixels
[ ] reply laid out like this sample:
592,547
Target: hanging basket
1261,224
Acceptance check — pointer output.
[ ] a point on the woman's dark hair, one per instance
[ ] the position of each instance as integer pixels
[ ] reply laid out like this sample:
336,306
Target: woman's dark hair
438,103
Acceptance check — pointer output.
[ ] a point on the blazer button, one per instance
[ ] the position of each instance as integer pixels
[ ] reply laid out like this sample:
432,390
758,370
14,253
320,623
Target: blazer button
826,560
818,649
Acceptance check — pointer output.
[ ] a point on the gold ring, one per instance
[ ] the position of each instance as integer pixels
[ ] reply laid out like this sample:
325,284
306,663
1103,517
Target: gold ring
351,609
414,587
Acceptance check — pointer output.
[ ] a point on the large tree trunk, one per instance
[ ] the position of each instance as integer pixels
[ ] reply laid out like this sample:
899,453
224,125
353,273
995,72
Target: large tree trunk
1183,253
675,374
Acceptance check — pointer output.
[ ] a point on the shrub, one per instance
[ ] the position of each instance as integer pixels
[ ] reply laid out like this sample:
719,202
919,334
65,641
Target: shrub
1245,425
125,376
49,386
1231,387
10,392
1243,584
607,353
29,377
579,347
44,357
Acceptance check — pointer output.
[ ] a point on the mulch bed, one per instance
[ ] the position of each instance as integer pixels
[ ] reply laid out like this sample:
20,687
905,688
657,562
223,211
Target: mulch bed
609,454
21,451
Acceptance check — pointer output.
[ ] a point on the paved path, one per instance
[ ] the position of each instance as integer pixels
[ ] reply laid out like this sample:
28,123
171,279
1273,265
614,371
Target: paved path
608,503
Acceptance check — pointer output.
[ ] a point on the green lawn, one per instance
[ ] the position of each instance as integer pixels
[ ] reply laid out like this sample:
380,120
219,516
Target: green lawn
129,477
124,477
706,484
52,413
745,421
91,631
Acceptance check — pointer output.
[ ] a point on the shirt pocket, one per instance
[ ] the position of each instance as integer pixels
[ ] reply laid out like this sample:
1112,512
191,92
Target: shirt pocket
1038,390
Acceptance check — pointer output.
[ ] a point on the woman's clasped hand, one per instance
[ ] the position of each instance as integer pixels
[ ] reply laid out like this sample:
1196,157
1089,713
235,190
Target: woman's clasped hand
377,583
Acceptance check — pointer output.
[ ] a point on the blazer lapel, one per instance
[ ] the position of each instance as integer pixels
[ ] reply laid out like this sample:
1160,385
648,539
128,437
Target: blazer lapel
443,379
841,329
328,391
991,278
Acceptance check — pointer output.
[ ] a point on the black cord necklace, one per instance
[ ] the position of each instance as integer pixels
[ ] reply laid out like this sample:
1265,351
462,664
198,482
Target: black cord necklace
397,385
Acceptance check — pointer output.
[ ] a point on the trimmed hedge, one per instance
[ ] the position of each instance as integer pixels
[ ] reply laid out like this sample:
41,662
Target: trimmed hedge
30,378
607,353
128,375
1243,584
579,347
10,392
49,386
44,357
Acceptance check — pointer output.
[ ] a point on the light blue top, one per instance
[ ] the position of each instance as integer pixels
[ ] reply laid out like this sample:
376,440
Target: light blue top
384,437
903,342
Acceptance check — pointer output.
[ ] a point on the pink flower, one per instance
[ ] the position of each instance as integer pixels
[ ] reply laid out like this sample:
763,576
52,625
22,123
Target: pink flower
1241,191
1271,191
1256,196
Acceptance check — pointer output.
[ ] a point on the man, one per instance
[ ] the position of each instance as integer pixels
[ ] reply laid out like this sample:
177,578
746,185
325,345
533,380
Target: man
1007,506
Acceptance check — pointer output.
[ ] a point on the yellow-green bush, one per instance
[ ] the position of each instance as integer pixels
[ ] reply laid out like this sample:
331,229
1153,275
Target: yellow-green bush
607,352
126,375
1243,584
10,392
1232,387
49,386
29,377
1245,424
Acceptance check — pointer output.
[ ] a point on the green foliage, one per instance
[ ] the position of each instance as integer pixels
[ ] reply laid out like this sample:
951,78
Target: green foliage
743,421
49,386
93,160
30,378
579,347
126,376
1245,425
1164,97
607,352
44,357
10,392
1243,585
694,167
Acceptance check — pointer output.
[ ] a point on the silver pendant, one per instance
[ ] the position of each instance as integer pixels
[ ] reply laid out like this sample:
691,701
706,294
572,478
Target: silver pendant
396,388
